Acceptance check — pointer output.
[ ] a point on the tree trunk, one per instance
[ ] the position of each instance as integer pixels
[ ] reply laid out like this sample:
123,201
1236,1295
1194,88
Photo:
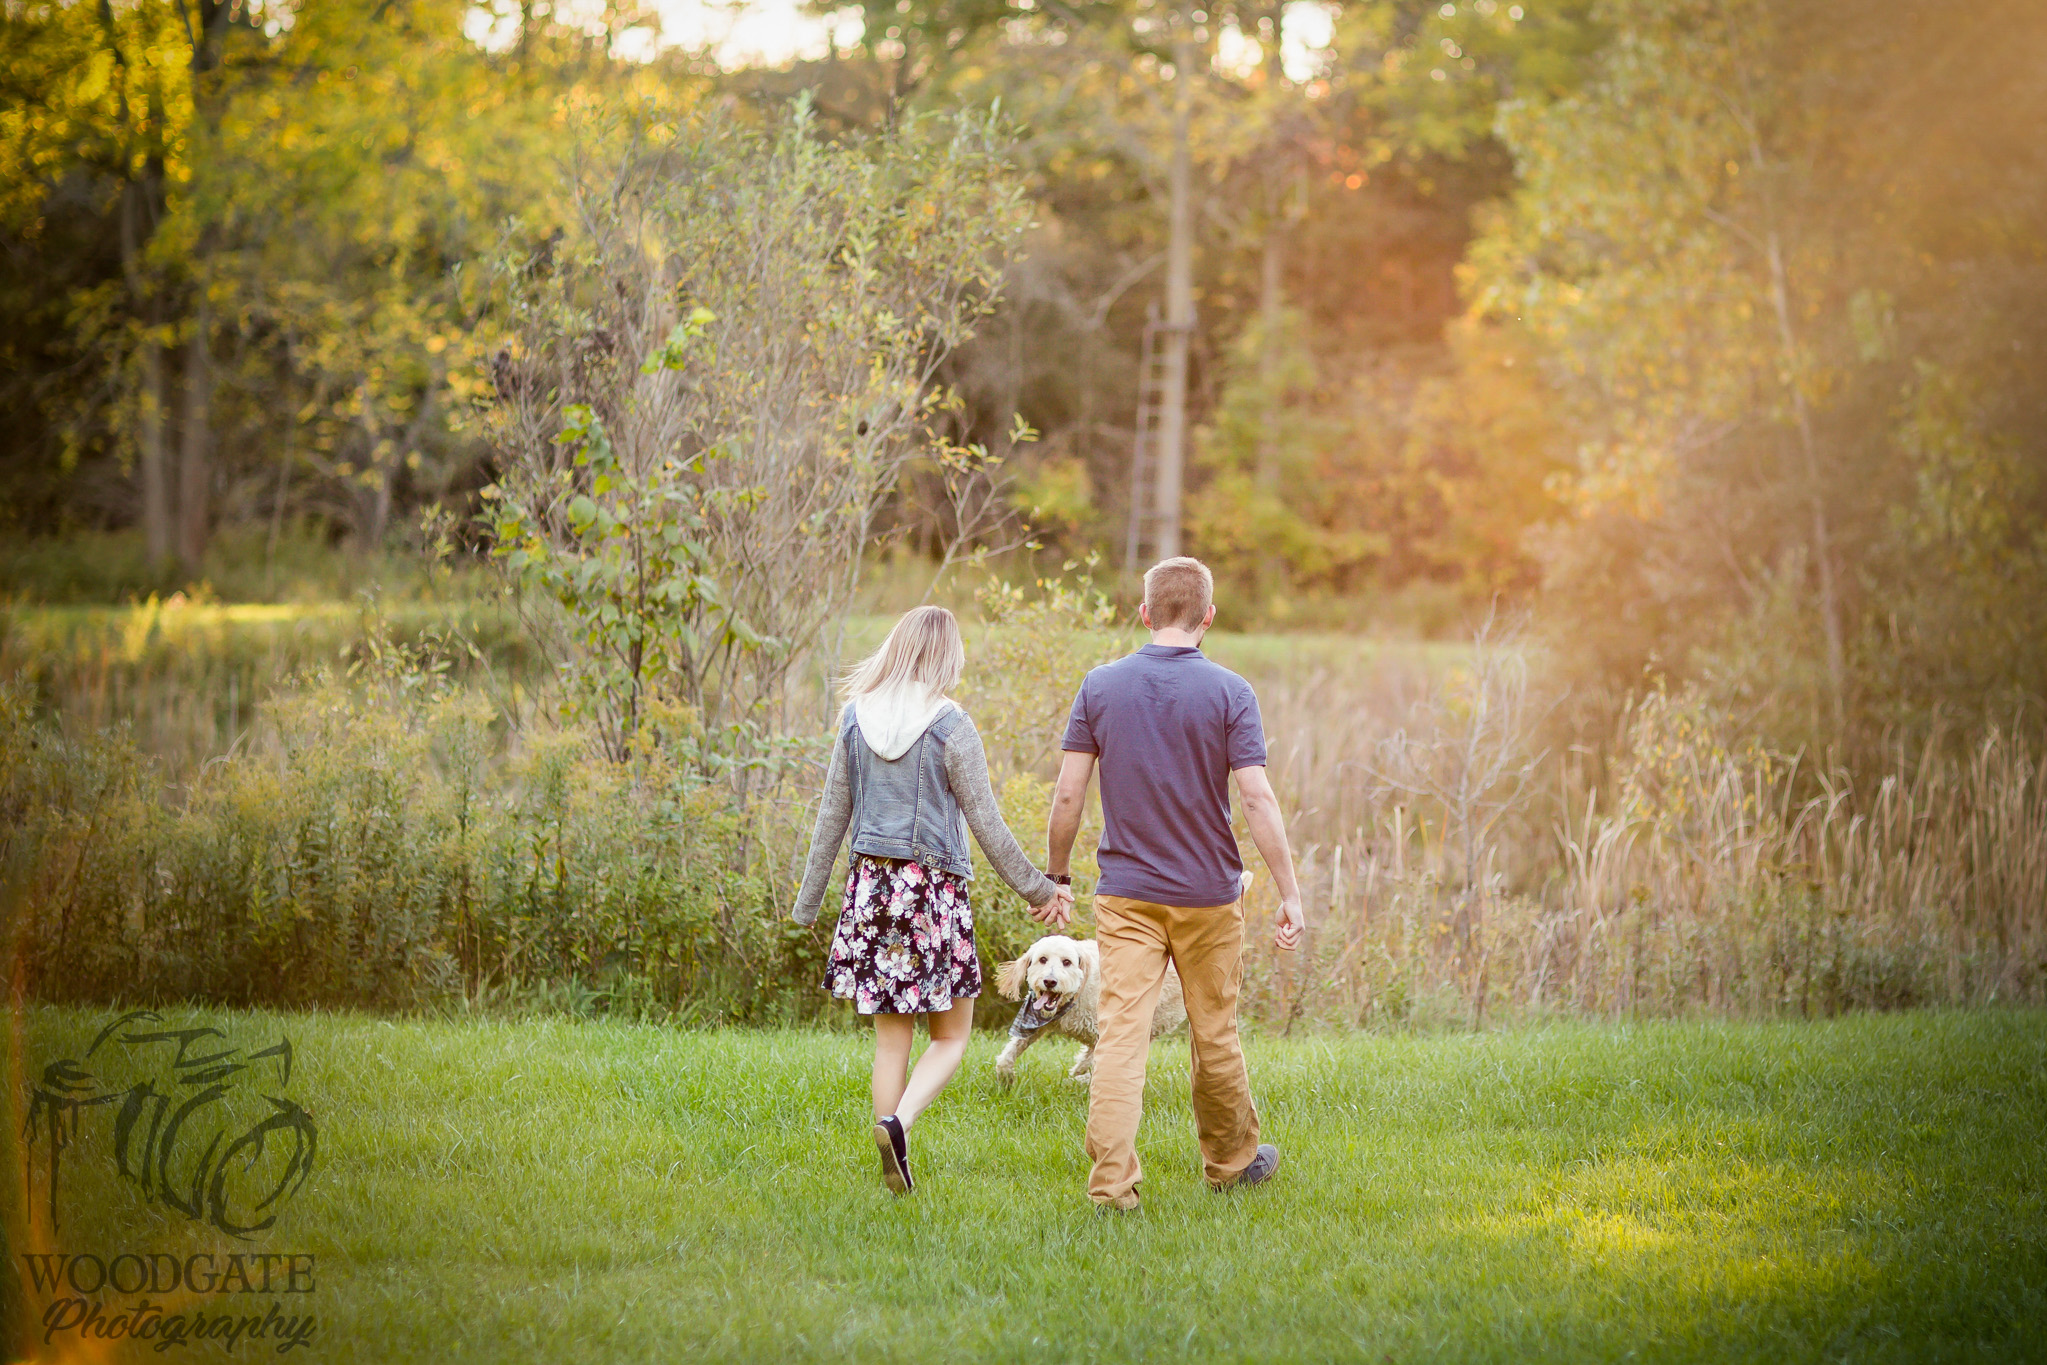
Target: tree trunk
1179,300
1273,36
1793,358
156,489
195,472
378,518
1822,546
1271,304
1271,289
195,460
1271,301
151,474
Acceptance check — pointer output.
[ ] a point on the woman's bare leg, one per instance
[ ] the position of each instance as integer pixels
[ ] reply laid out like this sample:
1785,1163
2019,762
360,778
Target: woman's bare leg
893,1034
940,1062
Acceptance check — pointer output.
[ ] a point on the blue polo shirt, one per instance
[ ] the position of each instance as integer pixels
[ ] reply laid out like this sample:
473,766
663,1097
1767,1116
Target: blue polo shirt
1167,728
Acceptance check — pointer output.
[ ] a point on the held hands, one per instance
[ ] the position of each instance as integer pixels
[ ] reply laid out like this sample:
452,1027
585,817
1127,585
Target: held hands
1058,911
1287,925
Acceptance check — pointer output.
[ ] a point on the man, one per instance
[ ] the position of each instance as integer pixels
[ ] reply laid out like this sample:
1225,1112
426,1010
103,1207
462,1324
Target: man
1168,728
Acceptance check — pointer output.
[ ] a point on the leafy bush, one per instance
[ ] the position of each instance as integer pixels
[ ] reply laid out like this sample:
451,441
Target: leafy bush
389,839
394,839
382,854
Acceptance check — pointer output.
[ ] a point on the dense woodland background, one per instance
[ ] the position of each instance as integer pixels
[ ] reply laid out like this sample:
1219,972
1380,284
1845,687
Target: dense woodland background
1702,339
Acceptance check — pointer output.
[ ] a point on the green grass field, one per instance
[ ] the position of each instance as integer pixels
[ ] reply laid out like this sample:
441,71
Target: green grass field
1869,1188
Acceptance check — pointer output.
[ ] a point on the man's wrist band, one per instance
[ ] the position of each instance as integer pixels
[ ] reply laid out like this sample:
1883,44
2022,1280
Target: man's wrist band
1060,878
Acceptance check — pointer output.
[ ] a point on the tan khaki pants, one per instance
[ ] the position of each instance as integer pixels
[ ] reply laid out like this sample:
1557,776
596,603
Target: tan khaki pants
1137,939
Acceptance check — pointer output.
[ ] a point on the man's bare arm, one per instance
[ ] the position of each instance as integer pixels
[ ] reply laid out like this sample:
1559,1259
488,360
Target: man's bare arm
1268,831
1069,798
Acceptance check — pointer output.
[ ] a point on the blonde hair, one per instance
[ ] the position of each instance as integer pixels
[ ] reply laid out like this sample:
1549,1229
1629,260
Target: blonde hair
1178,591
924,649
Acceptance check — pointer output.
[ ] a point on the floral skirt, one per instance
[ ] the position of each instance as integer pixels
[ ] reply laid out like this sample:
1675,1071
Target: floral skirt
905,942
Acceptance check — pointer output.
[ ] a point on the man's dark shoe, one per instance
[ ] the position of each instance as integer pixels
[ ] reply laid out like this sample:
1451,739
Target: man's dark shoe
894,1144
1263,1164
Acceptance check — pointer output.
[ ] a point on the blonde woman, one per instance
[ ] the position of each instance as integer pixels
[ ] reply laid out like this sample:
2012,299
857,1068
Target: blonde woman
908,778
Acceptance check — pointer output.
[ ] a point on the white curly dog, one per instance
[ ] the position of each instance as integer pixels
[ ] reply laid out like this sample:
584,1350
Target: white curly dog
1059,980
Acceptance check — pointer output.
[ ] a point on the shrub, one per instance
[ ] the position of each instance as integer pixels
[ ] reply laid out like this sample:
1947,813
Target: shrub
388,839
379,855
391,839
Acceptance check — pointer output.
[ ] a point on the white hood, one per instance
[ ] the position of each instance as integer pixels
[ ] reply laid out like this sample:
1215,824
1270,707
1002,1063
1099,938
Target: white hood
891,718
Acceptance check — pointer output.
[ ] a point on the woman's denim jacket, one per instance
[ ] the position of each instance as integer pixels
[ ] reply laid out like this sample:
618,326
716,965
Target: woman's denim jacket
905,808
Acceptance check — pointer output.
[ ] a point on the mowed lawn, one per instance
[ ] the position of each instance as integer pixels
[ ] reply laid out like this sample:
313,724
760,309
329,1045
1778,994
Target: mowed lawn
1867,1188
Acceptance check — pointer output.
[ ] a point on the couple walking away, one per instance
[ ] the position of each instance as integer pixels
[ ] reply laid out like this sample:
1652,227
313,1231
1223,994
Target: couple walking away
908,778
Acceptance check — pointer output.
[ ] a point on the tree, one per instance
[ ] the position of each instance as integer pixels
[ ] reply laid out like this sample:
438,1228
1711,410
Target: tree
706,393
236,237
398,153
1734,249
94,144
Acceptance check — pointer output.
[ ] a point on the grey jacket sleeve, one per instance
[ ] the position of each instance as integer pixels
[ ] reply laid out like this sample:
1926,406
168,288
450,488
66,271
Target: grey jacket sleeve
834,813
966,767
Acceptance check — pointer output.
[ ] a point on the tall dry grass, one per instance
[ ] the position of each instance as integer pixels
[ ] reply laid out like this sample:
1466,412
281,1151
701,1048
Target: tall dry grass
1703,875
401,837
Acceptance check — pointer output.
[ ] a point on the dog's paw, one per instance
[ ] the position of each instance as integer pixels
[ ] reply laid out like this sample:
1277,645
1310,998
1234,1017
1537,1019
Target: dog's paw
1005,1076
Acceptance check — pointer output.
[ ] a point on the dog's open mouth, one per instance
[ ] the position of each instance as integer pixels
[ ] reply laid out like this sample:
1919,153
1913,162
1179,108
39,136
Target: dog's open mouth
1045,1002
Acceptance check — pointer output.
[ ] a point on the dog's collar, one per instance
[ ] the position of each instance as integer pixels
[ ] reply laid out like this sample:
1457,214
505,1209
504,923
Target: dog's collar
1029,1021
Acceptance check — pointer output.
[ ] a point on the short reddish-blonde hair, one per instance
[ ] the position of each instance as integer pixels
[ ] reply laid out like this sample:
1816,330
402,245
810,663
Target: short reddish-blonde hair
1178,592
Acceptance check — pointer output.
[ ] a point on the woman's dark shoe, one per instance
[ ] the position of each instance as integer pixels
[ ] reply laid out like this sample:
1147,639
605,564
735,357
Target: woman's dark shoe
894,1144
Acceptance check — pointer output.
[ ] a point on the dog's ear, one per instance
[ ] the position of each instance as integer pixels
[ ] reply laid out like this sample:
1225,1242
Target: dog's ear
1091,956
1009,978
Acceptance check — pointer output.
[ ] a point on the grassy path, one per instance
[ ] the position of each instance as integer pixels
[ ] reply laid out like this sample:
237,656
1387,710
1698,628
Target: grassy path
1867,1189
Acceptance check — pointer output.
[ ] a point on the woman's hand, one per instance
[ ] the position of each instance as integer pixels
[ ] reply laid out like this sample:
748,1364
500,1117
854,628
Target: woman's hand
1057,912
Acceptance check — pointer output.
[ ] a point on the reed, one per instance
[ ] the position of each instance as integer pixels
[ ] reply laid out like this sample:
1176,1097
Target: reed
1704,876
